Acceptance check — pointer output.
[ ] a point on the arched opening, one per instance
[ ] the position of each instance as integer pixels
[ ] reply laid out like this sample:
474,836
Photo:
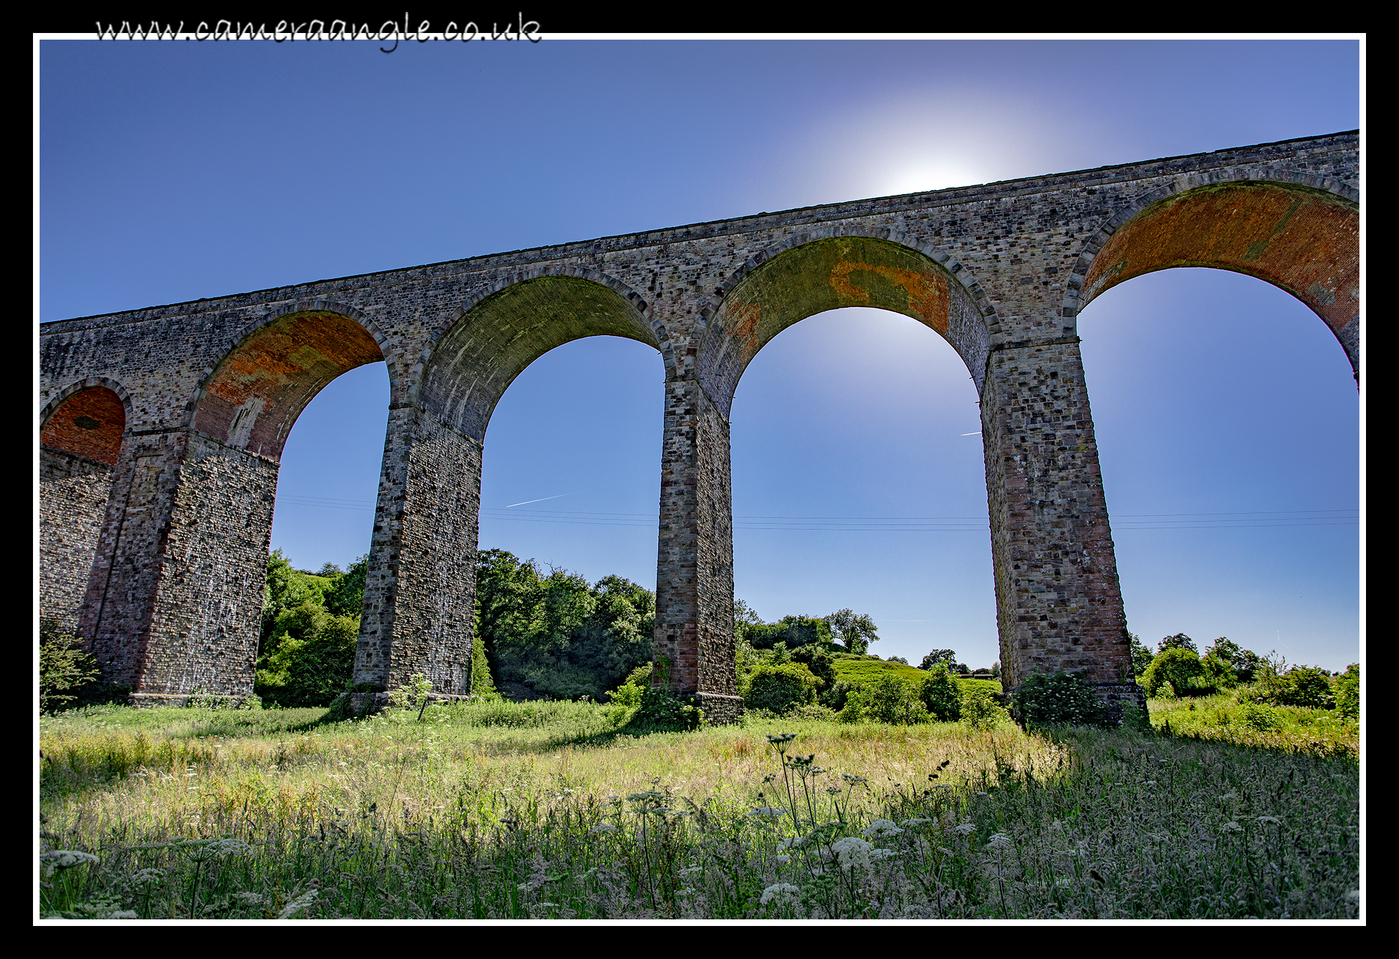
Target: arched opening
421,597
845,458
569,468
570,494
79,443
1301,239
859,482
328,477
1228,433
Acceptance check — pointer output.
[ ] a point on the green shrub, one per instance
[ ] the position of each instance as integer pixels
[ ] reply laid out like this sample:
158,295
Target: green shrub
795,631
1141,655
662,710
65,668
1179,667
942,694
310,657
1299,686
1061,699
1348,692
890,700
780,686
1259,717
980,709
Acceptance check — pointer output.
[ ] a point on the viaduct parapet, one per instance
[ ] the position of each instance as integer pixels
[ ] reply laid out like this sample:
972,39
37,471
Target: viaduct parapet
161,429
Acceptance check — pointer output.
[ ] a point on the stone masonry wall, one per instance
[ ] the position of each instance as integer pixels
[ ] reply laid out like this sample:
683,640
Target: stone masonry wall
73,494
419,599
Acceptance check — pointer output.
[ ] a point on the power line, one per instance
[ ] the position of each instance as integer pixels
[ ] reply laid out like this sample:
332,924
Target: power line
1245,519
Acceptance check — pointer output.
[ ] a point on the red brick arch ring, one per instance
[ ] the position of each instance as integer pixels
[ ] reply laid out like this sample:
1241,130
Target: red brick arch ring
252,397
839,267
1298,232
95,412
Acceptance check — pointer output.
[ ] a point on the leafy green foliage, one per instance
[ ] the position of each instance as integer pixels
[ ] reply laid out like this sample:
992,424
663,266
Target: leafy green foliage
779,687
1178,641
939,657
662,709
942,694
794,631
310,625
1297,686
554,635
1141,655
1348,692
309,659
980,709
1179,668
1060,699
855,631
345,594
887,700
1244,662
65,668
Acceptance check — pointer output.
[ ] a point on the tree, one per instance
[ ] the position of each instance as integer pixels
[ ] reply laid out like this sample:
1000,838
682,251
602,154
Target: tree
1141,655
939,657
854,631
794,631
1244,662
1178,641
555,635
942,694
1180,668
346,594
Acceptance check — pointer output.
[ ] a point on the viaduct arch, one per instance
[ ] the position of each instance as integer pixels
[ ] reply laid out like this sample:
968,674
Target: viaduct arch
159,559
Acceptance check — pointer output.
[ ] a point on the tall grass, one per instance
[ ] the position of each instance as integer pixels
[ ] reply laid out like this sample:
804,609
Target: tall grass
548,810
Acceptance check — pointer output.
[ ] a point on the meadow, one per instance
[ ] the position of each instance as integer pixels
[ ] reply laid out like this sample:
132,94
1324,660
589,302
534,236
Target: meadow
569,810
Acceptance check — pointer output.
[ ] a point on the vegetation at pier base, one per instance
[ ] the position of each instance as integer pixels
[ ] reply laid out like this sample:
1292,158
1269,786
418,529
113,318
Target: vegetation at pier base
497,809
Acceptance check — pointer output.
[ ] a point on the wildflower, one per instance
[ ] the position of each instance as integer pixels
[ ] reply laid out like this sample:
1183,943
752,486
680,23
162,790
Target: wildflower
1000,840
880,829
916,821
1270,820
852,851
768,811
782,893
603,827
1233,827
66,858
298,904
966,828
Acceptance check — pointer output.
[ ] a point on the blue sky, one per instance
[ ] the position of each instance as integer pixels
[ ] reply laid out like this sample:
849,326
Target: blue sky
1228,422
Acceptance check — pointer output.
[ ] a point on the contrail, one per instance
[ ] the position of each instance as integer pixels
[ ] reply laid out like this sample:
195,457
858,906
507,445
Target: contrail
540,500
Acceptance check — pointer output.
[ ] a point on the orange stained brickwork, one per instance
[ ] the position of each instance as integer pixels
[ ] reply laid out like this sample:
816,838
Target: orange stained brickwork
257,393
1304,242
926,289
88,424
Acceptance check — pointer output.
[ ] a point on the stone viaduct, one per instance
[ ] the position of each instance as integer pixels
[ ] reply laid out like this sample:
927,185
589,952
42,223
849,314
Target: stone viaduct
161,428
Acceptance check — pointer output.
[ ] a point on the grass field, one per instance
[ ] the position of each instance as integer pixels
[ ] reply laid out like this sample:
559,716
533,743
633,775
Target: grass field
553,810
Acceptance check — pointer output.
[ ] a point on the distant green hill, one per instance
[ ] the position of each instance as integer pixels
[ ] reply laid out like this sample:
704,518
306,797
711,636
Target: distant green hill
855,669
